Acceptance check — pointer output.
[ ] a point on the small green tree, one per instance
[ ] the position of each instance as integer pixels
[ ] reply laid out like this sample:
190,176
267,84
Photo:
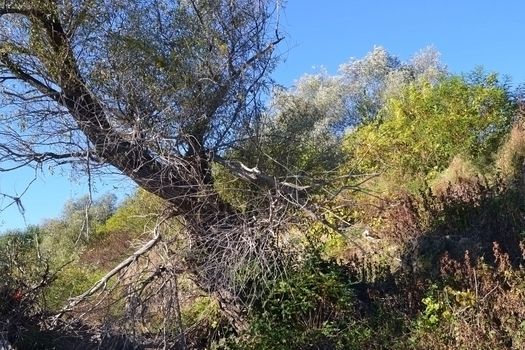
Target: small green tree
421,129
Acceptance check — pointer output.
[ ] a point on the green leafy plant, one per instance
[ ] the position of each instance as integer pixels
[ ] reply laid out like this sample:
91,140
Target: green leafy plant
422,128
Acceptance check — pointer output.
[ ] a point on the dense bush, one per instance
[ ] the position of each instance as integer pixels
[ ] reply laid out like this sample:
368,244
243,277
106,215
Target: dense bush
410,235
420,130
311,308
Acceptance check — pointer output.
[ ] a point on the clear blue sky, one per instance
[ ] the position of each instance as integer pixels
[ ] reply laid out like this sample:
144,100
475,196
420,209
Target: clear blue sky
468,33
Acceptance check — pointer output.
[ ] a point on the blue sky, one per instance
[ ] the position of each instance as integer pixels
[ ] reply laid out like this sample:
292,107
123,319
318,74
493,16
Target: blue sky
468,33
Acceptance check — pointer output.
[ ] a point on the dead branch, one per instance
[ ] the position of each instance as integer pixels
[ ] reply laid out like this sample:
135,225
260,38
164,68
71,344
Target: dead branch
101,284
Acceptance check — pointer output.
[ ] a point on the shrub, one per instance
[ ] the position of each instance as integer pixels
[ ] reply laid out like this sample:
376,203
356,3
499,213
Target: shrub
135,215
70,281
476,306
426,125
311,308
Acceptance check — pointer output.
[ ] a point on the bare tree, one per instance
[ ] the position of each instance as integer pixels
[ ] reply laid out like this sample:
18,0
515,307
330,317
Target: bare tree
158,90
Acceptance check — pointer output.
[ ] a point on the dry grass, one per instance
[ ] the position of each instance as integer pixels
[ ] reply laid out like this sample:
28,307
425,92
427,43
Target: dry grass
511,155
459,170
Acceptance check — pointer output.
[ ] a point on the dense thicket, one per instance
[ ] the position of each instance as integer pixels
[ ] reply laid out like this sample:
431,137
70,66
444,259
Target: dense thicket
378,208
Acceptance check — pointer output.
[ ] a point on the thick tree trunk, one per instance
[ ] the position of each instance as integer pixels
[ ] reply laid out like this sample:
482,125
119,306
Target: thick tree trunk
182,180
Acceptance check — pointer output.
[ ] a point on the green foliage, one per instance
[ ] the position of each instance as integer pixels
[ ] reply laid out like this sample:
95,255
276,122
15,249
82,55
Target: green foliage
422,128
63,239
434,312
300,139
20,263
201,309
24,273
70,281
17,246
135,215
313,307
233,190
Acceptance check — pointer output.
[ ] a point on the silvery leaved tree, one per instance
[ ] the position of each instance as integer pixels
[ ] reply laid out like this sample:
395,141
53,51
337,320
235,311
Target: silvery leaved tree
306,124
158,90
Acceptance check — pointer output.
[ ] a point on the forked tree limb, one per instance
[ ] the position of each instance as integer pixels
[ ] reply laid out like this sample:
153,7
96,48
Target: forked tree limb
101,284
